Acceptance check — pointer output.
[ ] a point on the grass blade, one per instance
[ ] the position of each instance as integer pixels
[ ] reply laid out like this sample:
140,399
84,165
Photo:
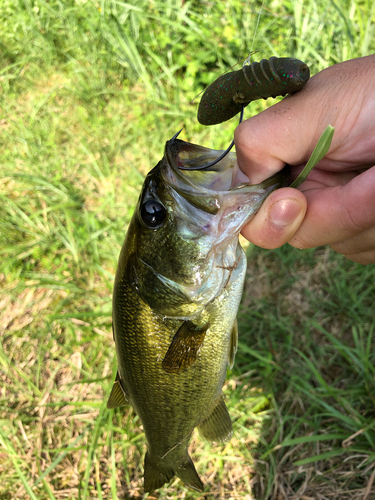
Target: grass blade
320,150
6,444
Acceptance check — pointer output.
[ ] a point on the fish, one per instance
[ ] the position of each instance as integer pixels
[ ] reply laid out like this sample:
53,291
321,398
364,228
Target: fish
176,295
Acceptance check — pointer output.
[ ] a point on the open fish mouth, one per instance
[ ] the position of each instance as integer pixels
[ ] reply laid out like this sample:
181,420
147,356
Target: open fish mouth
223,177
221,188
214,201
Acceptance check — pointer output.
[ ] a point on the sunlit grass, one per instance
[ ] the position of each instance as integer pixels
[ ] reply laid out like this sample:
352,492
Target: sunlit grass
89,94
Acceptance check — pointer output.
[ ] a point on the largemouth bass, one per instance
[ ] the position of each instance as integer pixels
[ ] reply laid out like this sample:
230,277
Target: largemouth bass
177,290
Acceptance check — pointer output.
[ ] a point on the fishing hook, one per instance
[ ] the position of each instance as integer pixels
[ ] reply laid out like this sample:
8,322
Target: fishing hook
217,159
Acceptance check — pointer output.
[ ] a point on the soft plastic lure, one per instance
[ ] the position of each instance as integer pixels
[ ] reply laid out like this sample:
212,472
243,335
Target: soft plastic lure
273,77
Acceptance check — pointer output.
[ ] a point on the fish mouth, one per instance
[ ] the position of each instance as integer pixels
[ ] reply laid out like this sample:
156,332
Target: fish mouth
184,154
223,177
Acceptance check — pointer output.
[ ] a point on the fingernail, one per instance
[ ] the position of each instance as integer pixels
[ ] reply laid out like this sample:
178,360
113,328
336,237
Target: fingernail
284,212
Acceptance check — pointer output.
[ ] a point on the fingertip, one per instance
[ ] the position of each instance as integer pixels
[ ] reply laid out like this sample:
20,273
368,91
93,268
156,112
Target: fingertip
277,220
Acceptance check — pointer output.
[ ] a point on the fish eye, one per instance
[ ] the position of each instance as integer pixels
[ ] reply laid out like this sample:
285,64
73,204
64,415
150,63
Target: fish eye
153,213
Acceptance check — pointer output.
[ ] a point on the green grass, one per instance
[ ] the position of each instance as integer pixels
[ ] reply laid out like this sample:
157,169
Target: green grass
89,93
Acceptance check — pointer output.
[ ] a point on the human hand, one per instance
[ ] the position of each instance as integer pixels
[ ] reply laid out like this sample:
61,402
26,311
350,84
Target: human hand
336,205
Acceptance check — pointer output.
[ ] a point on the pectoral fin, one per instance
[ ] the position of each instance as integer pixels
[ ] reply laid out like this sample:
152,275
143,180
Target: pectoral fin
185,346
117,396
217,426
233,344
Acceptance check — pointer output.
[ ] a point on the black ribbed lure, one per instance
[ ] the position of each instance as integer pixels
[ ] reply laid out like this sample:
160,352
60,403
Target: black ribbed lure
273,77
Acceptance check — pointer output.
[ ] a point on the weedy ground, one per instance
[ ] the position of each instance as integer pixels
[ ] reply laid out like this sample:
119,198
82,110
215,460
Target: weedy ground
89,93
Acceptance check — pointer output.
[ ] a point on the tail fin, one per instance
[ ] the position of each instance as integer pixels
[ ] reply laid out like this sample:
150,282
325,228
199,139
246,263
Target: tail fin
187,473
156,475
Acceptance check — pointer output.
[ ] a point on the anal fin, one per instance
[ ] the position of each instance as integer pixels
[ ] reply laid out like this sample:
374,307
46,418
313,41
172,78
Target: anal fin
185,346
218,425
117,396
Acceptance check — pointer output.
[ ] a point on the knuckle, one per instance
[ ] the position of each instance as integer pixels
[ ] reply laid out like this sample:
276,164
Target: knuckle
246,137
353,220
343,247
364,258
297,241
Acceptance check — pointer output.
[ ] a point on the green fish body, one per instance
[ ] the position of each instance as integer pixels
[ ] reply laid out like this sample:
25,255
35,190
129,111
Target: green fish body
177,290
